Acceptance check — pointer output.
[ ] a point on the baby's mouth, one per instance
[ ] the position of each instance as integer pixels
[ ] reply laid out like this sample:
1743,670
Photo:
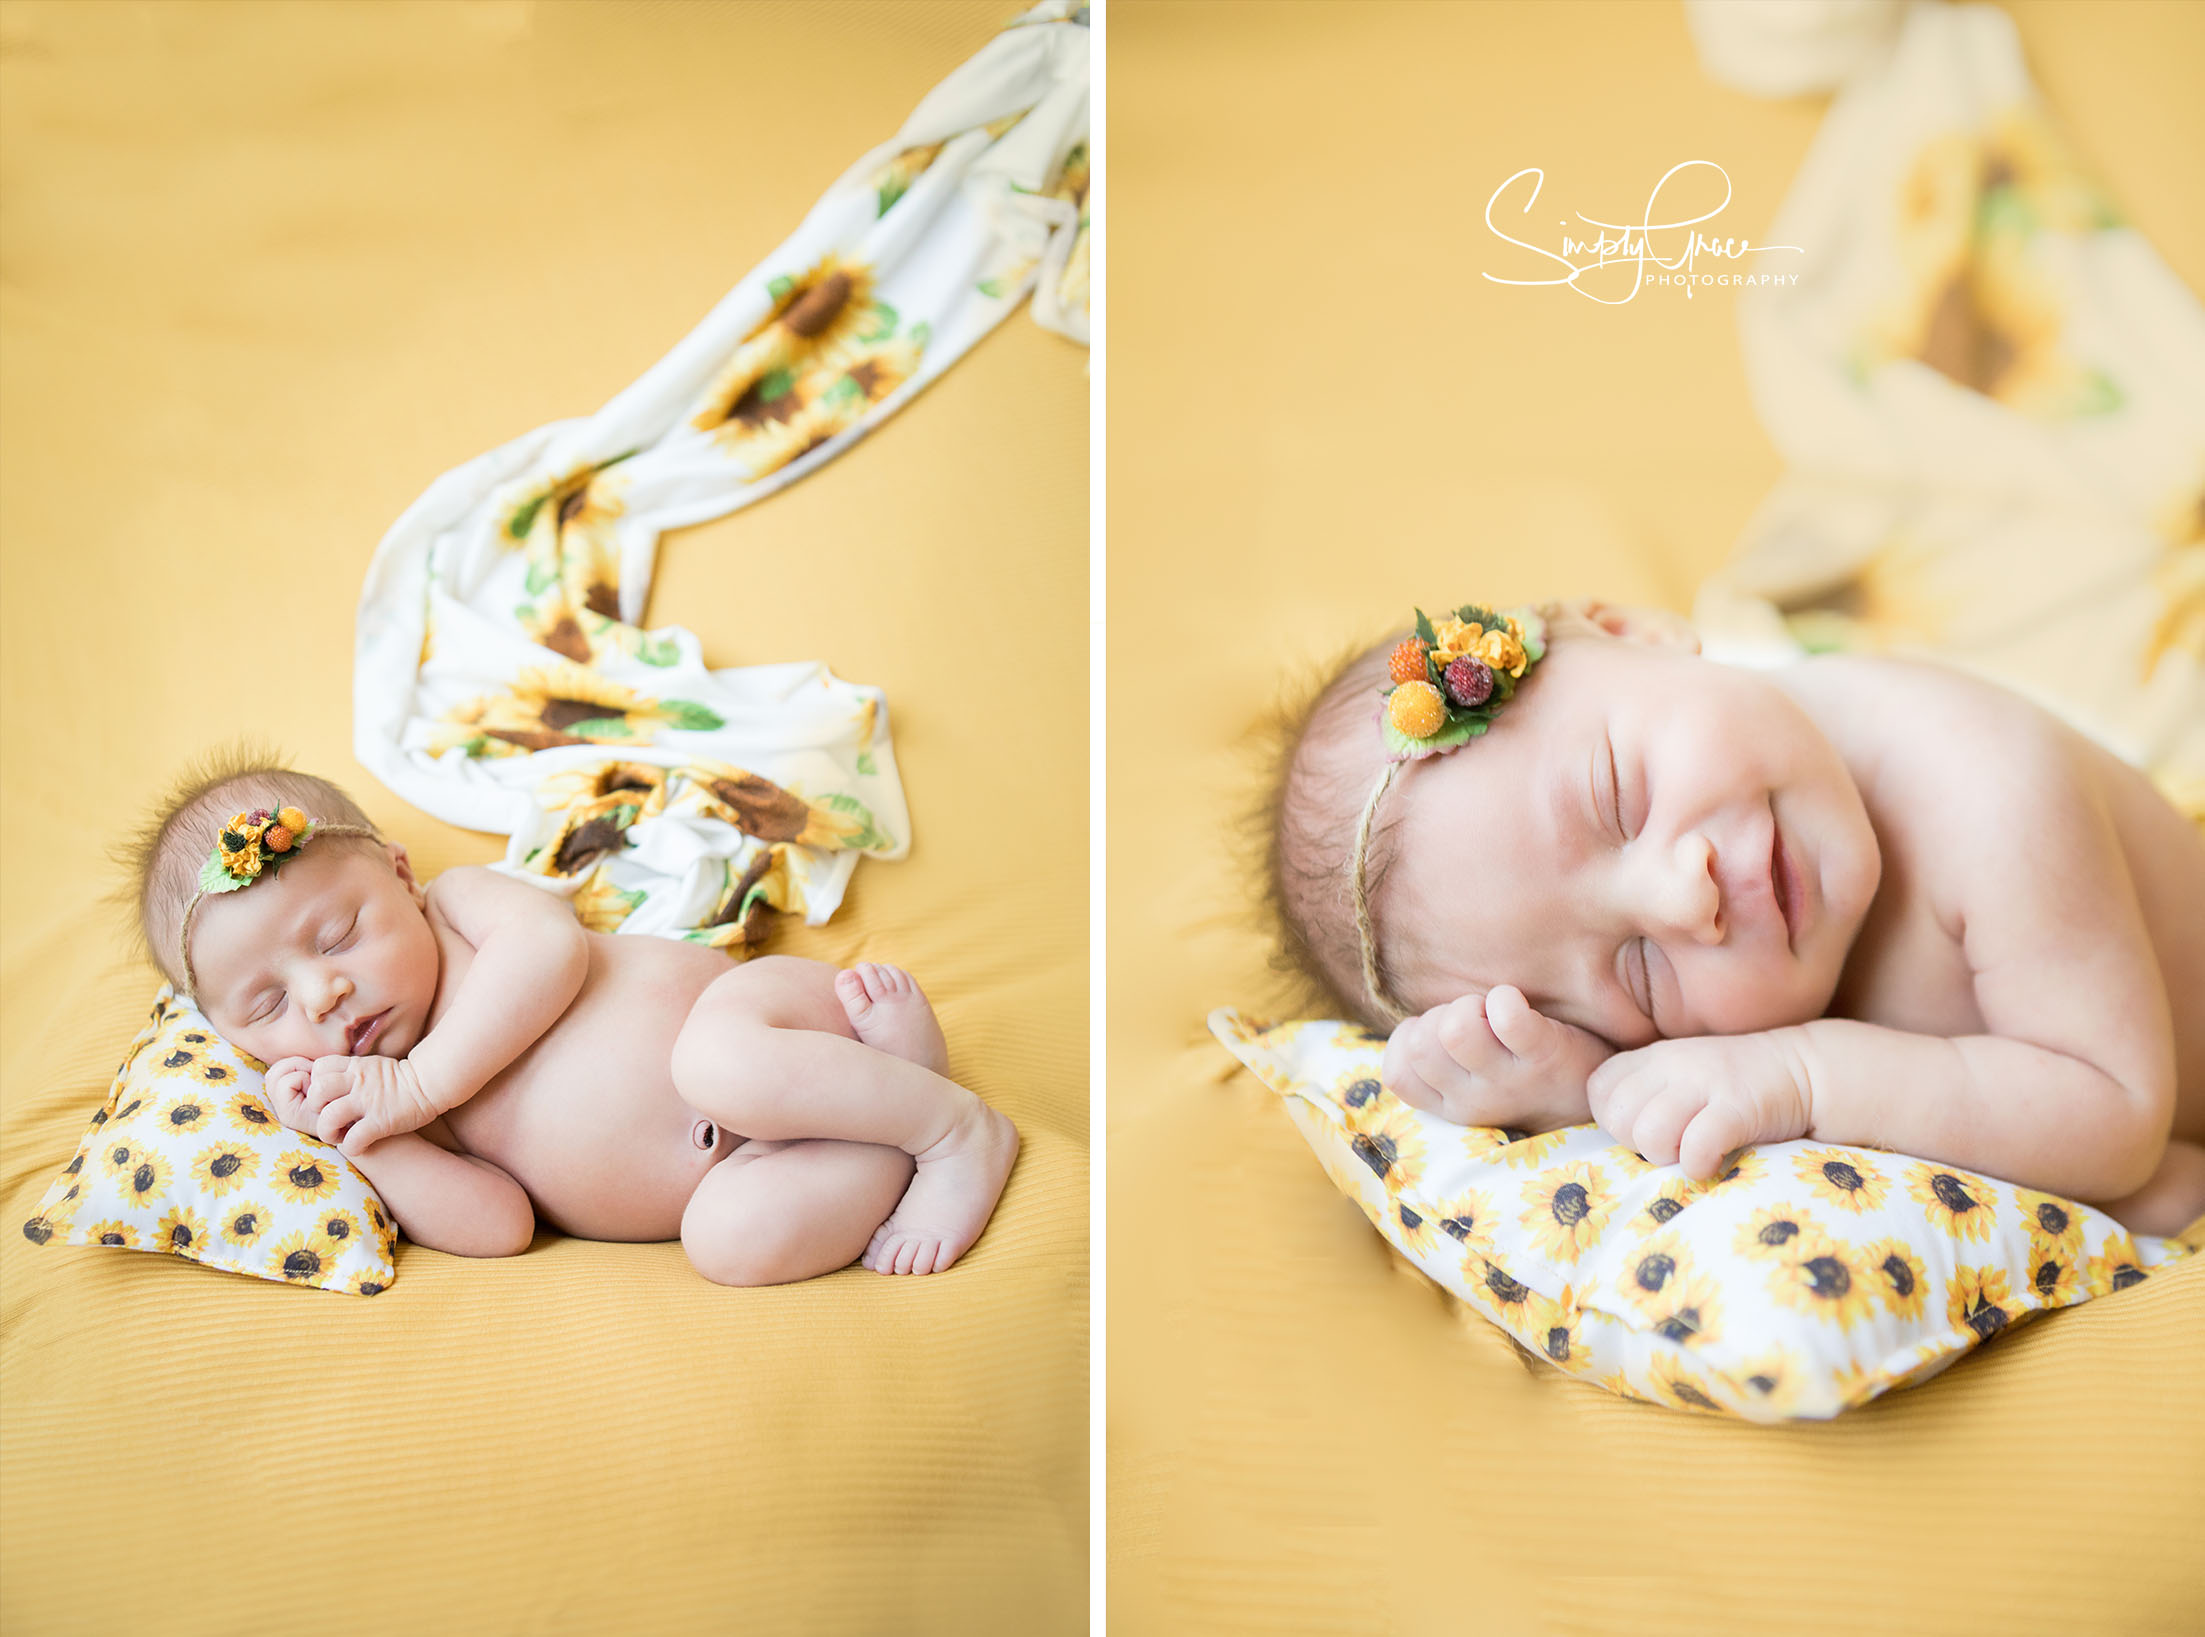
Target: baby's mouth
358,1036
1784,880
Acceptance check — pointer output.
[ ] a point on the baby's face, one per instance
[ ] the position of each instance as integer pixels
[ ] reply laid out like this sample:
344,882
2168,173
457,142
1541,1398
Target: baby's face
1647,844
332,956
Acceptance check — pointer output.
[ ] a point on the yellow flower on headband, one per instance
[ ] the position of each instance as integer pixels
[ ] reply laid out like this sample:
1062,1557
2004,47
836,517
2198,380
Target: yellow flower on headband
1503,650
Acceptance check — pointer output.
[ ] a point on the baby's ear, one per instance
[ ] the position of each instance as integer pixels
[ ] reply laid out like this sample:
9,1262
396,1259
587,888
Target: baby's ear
404,866
1657,627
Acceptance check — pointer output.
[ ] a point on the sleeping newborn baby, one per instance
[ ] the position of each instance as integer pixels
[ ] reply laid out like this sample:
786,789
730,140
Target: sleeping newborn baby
485,1061
1855,899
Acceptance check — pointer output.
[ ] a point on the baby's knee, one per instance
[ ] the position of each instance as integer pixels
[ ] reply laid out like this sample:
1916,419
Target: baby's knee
746,1253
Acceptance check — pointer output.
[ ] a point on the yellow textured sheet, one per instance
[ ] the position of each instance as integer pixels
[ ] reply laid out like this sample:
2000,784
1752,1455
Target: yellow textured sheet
271,269
1304,1437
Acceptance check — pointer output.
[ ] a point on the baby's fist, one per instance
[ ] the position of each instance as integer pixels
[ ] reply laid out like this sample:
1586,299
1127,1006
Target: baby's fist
1491,1060
285,1085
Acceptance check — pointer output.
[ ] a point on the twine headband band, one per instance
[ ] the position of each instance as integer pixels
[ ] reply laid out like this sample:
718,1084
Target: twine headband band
252,845
1445,684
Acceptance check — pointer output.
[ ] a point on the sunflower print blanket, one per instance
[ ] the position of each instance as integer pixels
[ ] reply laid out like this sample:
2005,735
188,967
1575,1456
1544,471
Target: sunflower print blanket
1804,1280
503,679
1988,389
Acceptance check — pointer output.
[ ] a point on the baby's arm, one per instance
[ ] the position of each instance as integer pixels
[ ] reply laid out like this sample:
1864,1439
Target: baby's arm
447,1201
530,957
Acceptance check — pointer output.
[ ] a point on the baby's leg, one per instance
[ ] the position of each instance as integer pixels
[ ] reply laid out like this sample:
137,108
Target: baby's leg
2172,1200
775,1212
769,1051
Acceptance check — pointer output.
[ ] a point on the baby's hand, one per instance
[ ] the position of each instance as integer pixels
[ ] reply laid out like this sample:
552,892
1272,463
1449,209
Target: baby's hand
355,1102
1691,1102
1491,1060
285,1084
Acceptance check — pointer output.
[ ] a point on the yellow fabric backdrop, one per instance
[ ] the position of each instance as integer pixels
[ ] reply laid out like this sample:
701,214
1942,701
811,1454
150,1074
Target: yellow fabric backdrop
269,270
1319,414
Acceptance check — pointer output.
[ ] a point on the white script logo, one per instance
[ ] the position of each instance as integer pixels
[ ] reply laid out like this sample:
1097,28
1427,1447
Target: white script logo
1633,242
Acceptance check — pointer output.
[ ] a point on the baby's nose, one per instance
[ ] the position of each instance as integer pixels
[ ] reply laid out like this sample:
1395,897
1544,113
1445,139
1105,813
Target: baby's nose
1690,902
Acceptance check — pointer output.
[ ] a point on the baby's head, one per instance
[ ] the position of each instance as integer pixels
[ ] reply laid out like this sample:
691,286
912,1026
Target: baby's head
1646,843
326,951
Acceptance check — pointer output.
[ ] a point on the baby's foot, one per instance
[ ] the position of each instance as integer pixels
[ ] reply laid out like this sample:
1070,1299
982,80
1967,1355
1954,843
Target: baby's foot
951,1197
884,1005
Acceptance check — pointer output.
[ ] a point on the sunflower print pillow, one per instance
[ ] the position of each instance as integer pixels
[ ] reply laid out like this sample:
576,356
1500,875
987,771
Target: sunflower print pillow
1804,1280
186,1157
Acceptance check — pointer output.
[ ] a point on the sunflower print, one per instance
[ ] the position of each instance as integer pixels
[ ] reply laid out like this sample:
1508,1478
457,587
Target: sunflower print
340,1228
248,1113
2054,1274
302,1257
563,704
1981,1299
147,1181
1820,1277
1746,1168
1530,1151
572,546
117,1157
114,1232
366,1284
183,1231
225,1166
1688,1311
1964,1206
1898,1277
1659,1263
244,1224
187,1113
1482,1142
2048,1216
1775,1233
1845,1181
1628,1161
1465,1218
1556,1329
601,906
1775,1378
2116,1267
1393,1148
303,1179
1495,1289
1414,1232
221,1075
1680,1389
1566,1210
1356,1091
1669,1200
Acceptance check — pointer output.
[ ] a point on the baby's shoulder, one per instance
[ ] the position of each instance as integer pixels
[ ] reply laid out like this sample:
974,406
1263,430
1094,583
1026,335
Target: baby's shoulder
1930,728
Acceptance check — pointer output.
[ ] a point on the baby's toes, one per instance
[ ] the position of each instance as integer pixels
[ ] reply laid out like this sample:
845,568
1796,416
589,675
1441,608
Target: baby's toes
856,997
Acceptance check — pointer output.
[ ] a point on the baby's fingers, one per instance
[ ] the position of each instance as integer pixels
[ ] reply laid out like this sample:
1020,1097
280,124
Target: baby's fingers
1712,1133
1527,1033
335,1119
1659,1130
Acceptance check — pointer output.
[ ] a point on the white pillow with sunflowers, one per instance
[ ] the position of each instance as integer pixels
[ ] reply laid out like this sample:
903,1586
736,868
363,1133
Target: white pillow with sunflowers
1806,1279
186,1157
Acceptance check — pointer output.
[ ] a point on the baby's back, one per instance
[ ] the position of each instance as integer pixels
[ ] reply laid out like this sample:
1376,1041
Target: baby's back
587,1118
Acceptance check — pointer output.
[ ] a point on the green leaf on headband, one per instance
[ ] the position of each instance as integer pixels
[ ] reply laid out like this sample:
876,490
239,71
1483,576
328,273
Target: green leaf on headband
214,878
1459,730
1424,631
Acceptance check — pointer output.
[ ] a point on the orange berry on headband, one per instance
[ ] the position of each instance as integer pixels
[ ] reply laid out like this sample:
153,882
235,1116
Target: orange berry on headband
1416,710
291,819
1407,661
276,838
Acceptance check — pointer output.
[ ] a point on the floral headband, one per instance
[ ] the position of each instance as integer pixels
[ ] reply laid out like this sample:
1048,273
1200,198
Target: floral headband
1445,685
250,846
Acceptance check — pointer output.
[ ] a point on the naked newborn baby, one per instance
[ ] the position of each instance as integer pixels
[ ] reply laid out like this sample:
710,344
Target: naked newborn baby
485,1061
1581,872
